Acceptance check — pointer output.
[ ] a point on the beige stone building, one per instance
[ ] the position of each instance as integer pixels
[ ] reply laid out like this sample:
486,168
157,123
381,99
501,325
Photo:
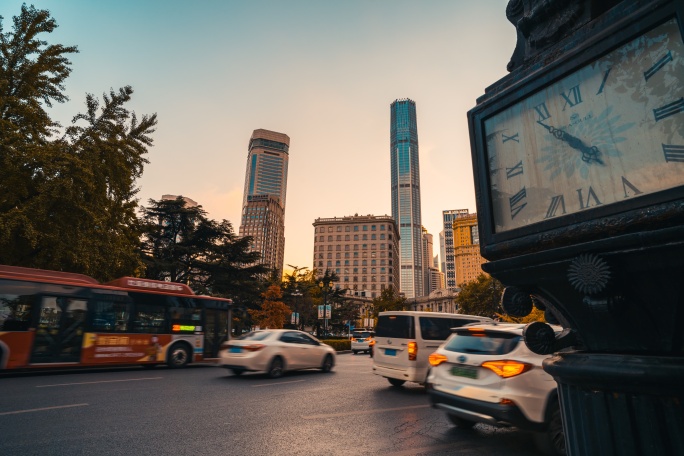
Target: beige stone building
442,300
363,250
467,257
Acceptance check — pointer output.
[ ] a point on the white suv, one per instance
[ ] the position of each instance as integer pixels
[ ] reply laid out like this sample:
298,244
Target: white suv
361,341
485,373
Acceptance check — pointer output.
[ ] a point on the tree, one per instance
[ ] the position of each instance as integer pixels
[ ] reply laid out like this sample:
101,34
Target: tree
181,244
481,297
66,203
273,312
388,300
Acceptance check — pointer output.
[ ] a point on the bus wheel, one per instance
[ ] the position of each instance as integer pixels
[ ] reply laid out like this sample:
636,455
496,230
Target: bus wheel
179,356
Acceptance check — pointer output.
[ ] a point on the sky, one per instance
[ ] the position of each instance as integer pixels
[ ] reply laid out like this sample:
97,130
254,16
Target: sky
323,72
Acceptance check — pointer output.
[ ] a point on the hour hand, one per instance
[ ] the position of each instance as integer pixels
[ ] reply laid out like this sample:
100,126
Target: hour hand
589,153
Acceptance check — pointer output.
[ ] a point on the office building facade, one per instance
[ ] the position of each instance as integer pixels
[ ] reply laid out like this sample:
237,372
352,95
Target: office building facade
447,246
467,258
263,204
363,250
405,187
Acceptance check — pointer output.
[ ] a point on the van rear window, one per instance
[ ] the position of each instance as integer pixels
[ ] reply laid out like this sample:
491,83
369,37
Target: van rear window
397,326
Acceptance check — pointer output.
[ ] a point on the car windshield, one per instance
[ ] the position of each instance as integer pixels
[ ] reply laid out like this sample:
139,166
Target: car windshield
255,335
482,343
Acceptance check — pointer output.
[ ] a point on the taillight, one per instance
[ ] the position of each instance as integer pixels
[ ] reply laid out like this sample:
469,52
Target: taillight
436,359
353,339
253,347
367,339
507,369
412,350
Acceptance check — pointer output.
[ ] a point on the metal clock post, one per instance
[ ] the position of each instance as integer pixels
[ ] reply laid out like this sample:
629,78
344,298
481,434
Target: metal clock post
578,158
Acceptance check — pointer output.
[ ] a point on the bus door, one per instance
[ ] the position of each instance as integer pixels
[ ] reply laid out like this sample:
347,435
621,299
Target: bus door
59,330
215,331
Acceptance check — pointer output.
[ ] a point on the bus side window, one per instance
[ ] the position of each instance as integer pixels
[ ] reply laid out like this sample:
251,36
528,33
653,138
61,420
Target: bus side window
109,314
15,309
150,313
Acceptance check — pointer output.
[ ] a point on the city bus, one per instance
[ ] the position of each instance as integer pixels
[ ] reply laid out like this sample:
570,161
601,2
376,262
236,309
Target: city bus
61,319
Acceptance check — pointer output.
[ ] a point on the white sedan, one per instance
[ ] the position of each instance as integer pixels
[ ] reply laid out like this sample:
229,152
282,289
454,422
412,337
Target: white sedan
276,351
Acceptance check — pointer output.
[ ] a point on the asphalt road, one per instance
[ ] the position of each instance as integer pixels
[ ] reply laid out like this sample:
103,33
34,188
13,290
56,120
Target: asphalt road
204,410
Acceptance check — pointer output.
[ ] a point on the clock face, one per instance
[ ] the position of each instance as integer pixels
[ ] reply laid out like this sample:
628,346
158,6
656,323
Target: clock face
612,131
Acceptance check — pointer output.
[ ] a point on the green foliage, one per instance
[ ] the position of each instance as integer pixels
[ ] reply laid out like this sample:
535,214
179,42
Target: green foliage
535,315
181,244
480,297
273,313
338,344
66,203
388,300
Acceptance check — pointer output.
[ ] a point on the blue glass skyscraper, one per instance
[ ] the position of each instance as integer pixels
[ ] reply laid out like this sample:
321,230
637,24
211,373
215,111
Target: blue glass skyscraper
406,195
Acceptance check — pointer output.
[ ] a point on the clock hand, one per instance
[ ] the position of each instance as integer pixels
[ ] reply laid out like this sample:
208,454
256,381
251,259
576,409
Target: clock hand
589,154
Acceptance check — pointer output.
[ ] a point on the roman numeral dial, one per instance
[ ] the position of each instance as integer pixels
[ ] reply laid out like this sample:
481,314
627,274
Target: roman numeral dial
594,140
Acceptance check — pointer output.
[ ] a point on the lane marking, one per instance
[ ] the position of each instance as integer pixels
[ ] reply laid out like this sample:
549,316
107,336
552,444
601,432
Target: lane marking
279,383
43,409
364,412
103,381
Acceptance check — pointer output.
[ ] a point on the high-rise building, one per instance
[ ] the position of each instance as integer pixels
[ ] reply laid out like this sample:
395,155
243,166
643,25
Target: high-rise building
447,247
405,182
362,250
263,203
427,262
467,249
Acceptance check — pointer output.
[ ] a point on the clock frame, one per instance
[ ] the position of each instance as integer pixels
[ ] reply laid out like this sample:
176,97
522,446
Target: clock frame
541,181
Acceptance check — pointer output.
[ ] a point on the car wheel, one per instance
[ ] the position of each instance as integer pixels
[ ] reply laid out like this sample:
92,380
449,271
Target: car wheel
552,442
238,372
327,364
355,351
179,356
460,422
275,370
396,382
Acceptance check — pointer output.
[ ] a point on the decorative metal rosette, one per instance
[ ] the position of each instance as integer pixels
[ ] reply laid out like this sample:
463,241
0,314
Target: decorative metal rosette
589,274
540,338
516,302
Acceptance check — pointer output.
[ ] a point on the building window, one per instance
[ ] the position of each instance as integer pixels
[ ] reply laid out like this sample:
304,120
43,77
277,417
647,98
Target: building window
330,238
356,228
346,237
346,229
356,237
372,227
365,227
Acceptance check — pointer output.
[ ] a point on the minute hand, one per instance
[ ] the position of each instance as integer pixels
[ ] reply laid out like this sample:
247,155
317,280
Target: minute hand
589,154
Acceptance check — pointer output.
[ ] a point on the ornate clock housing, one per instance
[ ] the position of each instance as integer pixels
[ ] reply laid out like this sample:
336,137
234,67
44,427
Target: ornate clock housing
599,133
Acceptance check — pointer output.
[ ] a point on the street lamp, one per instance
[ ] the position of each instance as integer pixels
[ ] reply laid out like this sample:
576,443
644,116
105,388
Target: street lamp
326,285
296,294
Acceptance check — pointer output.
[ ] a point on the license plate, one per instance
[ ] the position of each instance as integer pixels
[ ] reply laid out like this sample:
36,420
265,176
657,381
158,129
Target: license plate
390,352
235,350
464,371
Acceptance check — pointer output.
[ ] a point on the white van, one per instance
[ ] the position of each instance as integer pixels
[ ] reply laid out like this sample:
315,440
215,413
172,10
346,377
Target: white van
405,339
